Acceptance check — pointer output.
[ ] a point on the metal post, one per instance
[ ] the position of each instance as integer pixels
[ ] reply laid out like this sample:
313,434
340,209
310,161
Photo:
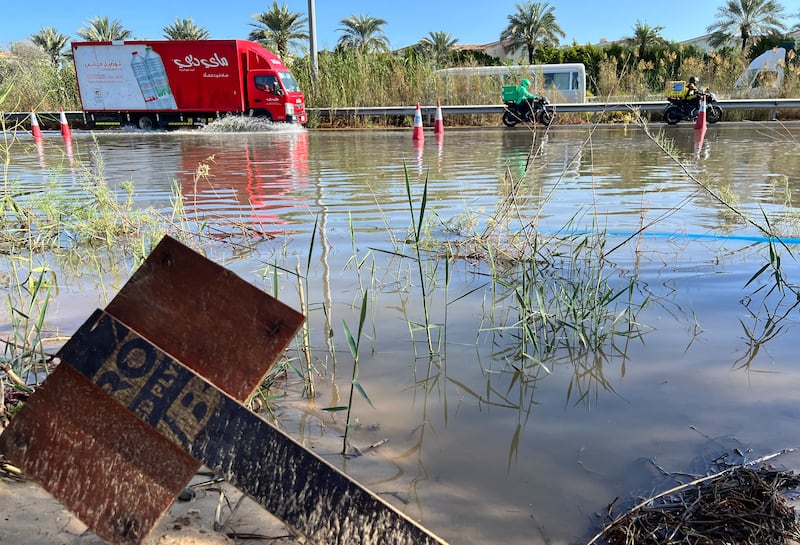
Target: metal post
312,36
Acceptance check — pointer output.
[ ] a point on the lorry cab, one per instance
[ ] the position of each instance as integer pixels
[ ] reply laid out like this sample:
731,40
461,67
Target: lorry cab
271,88
276,95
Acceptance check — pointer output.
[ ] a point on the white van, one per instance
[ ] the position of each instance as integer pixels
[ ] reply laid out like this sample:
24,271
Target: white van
559,82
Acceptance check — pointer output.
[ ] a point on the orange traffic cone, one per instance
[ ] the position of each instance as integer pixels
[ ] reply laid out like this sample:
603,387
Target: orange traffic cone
35,129
66,133
418,134
700,124
438,122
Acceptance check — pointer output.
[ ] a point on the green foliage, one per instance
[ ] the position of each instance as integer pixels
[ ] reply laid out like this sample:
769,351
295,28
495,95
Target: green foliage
101,29
37,83
767,43
68,219
363,34
353,343
278,28
644,38
348,79
24,361
417,231
533,24
439,47
741,20
185,29
53,43
361,75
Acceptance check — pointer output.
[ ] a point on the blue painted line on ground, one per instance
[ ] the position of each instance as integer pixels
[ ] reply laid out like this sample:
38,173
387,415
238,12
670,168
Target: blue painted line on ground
691,236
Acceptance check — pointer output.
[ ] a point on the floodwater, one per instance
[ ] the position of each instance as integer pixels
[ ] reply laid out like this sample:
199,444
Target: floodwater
484,444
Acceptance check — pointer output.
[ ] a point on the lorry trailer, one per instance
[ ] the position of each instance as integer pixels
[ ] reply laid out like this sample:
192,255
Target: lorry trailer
178,83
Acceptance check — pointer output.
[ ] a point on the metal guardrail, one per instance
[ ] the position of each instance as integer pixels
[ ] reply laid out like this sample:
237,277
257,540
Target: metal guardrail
586,107
774,104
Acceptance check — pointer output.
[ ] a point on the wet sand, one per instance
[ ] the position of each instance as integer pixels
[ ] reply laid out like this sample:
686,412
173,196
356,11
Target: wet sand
31,516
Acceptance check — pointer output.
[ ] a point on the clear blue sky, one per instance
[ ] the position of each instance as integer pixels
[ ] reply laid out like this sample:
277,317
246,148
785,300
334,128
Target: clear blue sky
469,21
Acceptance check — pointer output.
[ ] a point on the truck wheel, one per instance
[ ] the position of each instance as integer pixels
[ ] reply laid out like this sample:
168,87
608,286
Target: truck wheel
145,123
261,114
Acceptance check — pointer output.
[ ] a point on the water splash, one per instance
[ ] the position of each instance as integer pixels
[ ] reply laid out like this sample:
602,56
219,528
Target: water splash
241,123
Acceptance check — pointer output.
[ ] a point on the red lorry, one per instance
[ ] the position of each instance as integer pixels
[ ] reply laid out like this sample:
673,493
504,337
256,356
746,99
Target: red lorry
170,84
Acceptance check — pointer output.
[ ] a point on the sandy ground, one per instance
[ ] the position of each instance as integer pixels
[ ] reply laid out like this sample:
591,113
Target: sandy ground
30,516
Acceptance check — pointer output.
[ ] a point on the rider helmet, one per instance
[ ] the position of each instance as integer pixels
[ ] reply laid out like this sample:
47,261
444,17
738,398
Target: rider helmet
693,80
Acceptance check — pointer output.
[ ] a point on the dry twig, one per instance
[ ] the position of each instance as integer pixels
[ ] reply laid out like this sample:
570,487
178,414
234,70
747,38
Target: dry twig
743,504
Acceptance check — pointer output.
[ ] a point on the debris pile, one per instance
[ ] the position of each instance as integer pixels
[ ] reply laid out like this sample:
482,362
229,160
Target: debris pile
742,505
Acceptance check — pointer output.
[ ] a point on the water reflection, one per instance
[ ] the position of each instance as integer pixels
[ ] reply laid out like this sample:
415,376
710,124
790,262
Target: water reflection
260,174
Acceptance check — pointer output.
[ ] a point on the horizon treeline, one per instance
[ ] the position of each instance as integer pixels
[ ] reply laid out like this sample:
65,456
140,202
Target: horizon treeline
350,79
361,71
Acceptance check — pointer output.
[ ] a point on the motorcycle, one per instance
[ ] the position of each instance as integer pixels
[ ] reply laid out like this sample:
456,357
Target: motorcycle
680,109
538,109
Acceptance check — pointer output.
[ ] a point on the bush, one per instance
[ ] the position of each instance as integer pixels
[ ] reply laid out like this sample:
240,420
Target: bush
34,82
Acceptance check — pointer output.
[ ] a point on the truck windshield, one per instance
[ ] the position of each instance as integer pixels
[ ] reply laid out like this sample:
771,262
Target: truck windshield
289,82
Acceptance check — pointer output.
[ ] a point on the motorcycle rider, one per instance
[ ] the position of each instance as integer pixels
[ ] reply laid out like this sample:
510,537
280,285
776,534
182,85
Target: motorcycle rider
523,95
692,96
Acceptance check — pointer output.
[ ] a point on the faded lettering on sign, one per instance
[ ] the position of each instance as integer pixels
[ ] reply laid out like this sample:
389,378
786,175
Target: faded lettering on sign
148,382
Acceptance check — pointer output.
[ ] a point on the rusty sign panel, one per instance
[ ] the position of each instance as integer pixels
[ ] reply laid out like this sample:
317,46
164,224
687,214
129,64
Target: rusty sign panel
105,465
117,474
298,487
217,324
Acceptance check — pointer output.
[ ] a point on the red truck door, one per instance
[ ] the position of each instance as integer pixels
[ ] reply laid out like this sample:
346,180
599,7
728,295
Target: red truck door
277,95
266,95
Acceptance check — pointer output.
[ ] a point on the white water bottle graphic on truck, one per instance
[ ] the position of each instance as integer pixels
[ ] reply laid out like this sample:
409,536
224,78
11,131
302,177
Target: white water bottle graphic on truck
152,79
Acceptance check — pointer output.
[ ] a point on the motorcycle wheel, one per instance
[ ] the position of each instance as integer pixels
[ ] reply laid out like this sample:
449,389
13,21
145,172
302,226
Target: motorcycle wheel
672,116
714,113
509,119
546,117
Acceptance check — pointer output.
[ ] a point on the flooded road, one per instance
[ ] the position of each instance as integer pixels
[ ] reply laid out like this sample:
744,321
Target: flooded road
602,317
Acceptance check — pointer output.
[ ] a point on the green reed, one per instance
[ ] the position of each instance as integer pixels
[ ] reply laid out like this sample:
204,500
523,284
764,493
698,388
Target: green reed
354,345
417,224
25,360
28,286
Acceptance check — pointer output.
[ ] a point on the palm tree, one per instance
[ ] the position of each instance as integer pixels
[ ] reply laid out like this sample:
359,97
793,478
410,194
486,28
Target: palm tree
278,28
533,25
746,19
439,46
100,29
53,43
363,34
645,37
185,29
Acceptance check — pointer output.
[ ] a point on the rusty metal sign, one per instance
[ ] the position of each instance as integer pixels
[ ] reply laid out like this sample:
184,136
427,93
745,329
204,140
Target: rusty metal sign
118,475
122,425
112,470
217,324
301,489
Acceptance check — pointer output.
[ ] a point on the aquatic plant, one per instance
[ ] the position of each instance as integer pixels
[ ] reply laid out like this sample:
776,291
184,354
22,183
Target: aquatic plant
354,345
